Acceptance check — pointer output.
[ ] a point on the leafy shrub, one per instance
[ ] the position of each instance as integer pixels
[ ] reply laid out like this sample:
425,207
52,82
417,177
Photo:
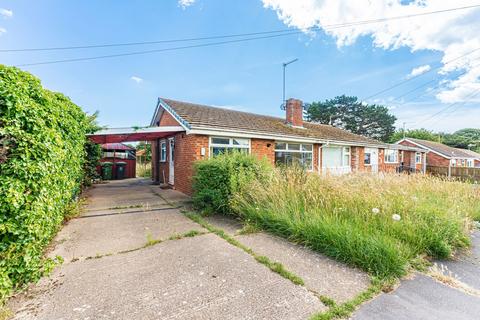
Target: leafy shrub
41,174
380,223
218,178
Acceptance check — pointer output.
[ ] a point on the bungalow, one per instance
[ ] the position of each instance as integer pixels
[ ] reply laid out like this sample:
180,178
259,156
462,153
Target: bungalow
440,155
206,131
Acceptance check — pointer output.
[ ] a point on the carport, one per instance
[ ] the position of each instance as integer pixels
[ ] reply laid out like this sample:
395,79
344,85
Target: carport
115,135
152,134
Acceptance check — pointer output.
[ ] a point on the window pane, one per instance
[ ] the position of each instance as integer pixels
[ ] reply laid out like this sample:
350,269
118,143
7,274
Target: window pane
368,158
294,146
307,147
240,142
280,146
214,151
219,140
346,160
303,159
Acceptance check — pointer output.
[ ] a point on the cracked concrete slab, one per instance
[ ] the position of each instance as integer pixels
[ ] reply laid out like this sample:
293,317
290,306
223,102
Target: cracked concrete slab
193,278
320,273
421,298
111,233
227,223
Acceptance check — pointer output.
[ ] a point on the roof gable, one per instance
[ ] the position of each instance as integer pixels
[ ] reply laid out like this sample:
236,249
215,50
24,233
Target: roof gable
440,148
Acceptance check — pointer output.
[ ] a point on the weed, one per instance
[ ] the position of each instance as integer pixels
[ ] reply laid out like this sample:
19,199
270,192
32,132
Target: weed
274,266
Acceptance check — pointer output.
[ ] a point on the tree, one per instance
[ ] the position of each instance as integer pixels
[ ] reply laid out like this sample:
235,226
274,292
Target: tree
465,138
423,134
370,120
148,150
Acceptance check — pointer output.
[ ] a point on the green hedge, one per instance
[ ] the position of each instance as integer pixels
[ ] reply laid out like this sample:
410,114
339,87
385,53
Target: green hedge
218,178
41,172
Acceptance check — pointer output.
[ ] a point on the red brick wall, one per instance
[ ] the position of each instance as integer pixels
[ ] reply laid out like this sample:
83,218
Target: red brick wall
187,151
357,157
168,120
316,157
263,149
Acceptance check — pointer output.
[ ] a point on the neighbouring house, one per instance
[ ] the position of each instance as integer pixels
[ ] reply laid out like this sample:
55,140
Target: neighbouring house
476,155
192,132
440,155
118,161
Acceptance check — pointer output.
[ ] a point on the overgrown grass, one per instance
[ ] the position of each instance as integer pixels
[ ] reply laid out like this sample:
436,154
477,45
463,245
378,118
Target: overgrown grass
380,223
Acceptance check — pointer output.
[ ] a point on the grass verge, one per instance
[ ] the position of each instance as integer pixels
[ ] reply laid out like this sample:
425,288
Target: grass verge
274,266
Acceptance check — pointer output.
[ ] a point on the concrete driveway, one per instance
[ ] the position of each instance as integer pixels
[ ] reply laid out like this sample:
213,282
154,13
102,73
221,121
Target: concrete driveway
133,254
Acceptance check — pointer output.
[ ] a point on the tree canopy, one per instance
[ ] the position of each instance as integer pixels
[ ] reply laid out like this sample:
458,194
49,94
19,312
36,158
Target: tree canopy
423,134
346,112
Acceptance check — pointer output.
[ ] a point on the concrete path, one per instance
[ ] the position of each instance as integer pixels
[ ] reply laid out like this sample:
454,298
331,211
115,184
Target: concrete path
132,255
455,295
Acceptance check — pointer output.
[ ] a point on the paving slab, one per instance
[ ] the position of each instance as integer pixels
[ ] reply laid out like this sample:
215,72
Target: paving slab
320,273
421,298
227,223
106,233
466,266
193,278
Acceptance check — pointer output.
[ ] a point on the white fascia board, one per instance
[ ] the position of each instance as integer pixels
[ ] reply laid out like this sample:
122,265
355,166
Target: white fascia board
278,137
113,131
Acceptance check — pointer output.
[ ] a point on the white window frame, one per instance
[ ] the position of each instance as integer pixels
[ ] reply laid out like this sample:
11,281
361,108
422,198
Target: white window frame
385,155
470,163
418,157
294,151
230,144
163,147
364,155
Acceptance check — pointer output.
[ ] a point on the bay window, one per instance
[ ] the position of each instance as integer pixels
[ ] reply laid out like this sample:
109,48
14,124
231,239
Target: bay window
287,153
219,145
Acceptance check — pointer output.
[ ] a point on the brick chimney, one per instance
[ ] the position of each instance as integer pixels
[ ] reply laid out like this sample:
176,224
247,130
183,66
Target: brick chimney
295,112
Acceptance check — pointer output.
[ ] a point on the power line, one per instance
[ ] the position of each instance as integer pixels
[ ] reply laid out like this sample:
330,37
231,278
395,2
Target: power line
471,95
425,84
327,27
417,76
209,44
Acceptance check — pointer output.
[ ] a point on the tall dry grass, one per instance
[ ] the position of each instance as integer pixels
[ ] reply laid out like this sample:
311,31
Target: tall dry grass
380,223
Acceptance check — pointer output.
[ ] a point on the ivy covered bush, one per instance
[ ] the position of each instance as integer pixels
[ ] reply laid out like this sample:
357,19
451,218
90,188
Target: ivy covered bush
42,136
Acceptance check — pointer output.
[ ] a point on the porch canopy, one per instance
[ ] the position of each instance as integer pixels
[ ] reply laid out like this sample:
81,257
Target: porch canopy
115,135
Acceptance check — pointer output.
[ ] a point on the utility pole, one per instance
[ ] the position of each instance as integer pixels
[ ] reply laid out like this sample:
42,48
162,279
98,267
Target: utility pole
404,128
285,64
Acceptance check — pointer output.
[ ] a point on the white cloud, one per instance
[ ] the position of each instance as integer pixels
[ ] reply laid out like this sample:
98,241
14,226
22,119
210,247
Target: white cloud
136,79
6,13
454,33
2,31
186,3
418,71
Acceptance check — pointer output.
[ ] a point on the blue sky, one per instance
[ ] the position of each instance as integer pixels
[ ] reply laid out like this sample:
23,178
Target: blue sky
244,76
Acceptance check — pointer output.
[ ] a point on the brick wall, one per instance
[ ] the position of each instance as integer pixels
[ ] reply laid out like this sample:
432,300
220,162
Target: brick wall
187,151
263,149
294,110
168,120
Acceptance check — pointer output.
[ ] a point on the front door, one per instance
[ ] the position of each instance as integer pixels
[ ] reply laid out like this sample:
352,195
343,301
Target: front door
171,161
373,158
